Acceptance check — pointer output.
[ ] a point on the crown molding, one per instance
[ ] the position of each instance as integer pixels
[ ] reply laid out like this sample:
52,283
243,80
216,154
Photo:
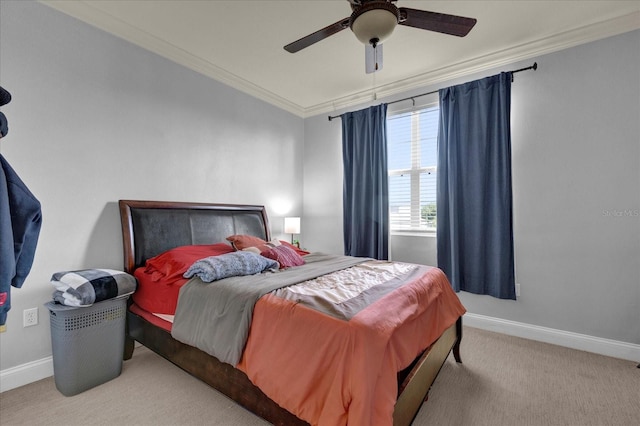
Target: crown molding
85,12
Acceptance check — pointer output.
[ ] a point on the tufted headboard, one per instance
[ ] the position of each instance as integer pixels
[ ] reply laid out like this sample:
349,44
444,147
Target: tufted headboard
152,227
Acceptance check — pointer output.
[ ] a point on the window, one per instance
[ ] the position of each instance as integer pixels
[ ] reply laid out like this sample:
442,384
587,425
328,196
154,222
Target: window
412,158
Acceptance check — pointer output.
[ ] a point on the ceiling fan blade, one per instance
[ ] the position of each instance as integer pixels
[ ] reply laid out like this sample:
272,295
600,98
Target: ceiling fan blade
372,58
433,21
317,36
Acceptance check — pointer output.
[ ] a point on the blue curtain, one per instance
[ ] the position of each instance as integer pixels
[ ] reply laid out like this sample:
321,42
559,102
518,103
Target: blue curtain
366,191
474,228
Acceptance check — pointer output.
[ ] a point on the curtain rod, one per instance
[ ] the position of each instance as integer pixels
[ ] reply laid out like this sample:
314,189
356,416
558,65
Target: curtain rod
532,67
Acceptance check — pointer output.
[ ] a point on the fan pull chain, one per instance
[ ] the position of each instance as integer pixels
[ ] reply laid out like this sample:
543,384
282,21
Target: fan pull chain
374,43
373,88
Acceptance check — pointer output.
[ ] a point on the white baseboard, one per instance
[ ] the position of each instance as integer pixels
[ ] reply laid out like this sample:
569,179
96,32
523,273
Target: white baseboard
24,374
583,342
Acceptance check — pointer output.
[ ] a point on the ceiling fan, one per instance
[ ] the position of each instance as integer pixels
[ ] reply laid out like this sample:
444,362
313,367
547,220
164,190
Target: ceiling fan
373,21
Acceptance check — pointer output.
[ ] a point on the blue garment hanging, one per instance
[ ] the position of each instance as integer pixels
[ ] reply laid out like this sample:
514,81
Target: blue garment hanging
20,222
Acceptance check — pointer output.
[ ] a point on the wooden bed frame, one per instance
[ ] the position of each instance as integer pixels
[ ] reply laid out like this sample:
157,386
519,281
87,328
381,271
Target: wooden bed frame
152,227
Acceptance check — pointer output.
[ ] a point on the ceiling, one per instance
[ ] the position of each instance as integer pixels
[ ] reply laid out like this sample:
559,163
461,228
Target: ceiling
240,43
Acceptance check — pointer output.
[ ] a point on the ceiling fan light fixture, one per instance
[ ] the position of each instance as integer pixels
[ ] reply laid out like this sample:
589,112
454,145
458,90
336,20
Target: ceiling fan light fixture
374,22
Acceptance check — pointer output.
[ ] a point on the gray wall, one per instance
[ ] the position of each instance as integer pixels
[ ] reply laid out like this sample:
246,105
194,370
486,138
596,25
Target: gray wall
95,119
576,184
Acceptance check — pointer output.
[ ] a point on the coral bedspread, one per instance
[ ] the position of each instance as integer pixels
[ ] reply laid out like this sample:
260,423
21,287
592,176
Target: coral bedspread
328,371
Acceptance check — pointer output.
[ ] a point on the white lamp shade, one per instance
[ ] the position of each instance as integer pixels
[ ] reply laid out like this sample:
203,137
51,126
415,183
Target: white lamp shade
374,24
291,225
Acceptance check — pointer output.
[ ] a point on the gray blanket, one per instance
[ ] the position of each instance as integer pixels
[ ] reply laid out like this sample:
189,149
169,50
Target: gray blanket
215,317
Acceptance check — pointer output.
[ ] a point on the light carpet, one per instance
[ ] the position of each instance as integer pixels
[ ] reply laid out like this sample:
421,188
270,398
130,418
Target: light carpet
503,380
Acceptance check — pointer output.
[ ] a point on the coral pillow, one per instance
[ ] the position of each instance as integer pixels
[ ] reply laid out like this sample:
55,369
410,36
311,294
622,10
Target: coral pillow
284,255
241,242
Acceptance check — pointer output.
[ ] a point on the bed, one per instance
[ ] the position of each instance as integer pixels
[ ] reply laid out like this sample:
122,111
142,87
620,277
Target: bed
150,228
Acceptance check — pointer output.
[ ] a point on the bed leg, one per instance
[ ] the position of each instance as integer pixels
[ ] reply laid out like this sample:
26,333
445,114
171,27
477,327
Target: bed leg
456,346
129,344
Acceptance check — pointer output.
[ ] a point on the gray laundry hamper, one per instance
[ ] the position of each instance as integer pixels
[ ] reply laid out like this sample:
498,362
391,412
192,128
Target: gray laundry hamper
87,343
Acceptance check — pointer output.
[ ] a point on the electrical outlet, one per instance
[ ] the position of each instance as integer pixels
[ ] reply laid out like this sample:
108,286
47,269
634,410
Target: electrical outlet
517,289
30,317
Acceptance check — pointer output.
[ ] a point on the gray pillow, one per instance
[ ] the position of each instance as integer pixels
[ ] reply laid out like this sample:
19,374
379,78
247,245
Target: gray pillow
229,265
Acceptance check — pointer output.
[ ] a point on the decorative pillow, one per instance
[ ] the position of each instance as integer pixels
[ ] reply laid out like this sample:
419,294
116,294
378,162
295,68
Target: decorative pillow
241,242
229,265
173,263
284,255
294,248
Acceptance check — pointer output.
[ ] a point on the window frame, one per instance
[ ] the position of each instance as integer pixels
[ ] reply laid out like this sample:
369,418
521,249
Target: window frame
415,173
